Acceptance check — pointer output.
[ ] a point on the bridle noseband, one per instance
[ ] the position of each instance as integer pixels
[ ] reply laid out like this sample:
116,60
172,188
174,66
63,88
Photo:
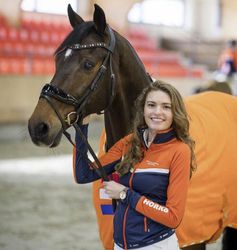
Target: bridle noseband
50,92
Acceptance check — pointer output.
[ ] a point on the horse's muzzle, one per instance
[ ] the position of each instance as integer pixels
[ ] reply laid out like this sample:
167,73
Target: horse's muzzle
41,136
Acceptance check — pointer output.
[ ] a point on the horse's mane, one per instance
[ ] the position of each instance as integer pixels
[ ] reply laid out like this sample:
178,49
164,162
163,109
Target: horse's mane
138,59
76,35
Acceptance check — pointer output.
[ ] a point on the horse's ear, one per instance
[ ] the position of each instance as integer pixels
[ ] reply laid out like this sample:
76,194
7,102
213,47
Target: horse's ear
74,18
99,19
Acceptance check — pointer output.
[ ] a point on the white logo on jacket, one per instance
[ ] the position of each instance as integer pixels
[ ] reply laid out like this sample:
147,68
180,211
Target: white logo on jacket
152,163
155,206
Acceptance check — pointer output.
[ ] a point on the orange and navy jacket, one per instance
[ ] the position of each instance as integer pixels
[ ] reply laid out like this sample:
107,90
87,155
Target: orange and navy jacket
157,192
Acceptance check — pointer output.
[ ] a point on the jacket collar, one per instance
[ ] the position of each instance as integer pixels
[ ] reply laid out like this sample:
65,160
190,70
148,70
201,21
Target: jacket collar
160,138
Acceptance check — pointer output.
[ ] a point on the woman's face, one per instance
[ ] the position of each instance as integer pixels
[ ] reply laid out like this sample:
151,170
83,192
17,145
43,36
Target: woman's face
157,111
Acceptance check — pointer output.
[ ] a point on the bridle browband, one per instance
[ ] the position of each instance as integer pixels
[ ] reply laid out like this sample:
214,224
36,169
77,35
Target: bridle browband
50,92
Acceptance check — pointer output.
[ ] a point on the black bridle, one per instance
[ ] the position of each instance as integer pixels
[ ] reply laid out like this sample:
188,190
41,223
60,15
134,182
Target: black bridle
58,94
50,92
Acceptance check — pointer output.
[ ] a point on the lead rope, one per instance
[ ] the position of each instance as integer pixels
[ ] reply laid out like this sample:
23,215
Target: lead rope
84,139
99,169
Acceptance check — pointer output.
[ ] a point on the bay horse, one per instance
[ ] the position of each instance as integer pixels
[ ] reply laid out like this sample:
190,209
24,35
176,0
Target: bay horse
98,70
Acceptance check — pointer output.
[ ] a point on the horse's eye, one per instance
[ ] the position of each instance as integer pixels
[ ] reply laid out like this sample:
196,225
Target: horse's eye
88,65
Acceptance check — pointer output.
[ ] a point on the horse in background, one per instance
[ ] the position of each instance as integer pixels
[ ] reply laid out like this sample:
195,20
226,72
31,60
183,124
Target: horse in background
97,69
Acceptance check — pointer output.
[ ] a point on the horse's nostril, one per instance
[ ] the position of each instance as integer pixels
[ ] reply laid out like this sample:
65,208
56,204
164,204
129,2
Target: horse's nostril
41,130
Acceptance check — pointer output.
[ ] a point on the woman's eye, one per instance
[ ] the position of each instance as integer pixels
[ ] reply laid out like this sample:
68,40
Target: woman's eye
150,105
88,65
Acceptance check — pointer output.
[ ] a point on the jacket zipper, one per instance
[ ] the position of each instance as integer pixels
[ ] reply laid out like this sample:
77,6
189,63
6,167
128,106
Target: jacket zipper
126,212
124,228
145,224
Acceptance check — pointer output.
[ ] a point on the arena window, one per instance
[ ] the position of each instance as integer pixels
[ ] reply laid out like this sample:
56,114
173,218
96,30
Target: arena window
43,6
158,12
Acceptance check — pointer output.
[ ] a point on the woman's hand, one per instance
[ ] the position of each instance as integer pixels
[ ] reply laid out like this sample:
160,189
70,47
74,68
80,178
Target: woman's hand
113,189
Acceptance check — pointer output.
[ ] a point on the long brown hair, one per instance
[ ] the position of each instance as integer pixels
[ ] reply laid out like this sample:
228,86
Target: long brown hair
180,125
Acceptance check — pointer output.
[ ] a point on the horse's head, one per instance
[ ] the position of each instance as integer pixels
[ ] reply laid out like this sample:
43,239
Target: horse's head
83,72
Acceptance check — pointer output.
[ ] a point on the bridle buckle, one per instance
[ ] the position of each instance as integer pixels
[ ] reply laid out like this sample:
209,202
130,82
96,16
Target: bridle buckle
70,120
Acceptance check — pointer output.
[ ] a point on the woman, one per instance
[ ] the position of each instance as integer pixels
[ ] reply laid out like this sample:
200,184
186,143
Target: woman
154,164
227,62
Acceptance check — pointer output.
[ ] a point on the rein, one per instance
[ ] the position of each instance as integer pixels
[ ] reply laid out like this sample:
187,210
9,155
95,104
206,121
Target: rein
50,92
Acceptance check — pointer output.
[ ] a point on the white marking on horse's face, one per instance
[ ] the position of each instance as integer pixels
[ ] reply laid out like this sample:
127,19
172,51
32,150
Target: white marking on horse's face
68,53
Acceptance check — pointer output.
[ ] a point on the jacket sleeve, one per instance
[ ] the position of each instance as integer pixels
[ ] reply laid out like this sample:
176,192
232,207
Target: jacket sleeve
83,171
172,213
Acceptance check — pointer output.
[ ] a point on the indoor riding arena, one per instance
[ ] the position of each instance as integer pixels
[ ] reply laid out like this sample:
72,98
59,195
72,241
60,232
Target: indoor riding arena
190,44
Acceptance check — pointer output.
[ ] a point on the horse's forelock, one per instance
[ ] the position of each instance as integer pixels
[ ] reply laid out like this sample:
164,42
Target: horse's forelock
76,35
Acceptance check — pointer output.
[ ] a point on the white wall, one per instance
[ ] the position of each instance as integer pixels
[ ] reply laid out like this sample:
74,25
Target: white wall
10,9
208,19
229,21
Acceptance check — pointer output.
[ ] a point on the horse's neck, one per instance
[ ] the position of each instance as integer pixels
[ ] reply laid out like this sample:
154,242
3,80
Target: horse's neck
117,121
130,81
